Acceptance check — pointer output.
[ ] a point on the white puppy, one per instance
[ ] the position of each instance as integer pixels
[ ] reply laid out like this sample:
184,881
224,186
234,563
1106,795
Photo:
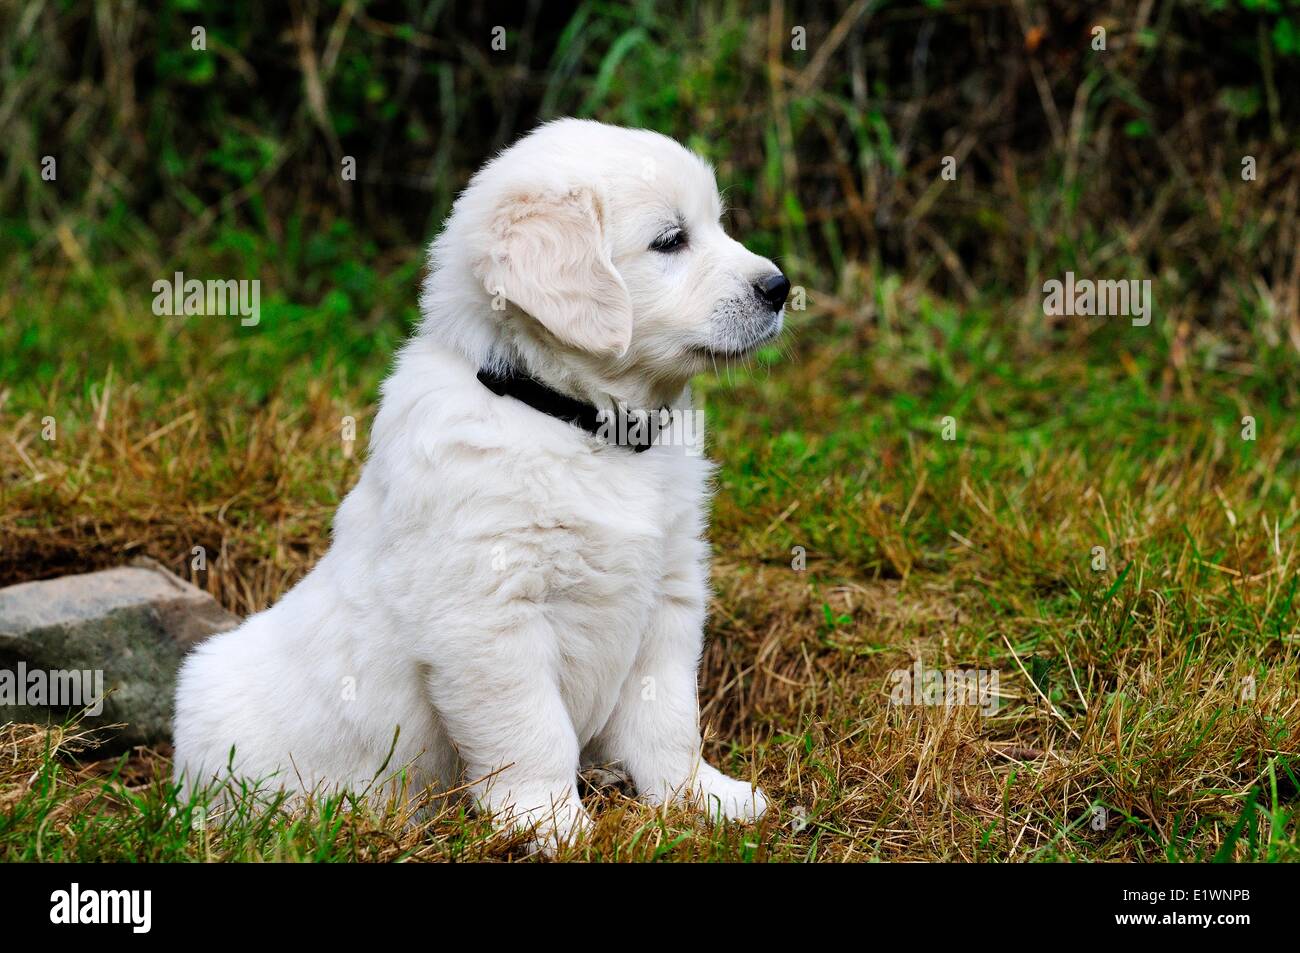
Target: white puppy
518,594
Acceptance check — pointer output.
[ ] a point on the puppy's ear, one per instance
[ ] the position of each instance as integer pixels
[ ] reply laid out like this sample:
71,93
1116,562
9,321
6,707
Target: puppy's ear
547,254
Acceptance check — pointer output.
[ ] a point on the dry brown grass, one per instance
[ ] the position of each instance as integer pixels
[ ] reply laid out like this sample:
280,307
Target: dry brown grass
1121,689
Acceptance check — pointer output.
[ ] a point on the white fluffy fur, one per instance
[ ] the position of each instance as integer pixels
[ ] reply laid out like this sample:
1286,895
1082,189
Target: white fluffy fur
519,597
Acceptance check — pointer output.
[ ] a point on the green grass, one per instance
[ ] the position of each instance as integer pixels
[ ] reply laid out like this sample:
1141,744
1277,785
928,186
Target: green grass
1124,688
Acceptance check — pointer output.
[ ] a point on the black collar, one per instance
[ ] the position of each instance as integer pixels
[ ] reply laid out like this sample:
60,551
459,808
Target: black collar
636,432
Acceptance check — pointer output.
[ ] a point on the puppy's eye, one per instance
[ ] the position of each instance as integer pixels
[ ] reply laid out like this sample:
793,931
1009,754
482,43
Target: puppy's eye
672,240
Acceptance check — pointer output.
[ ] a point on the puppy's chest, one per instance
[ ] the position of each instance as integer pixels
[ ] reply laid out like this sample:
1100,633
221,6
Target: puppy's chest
625,544
605,539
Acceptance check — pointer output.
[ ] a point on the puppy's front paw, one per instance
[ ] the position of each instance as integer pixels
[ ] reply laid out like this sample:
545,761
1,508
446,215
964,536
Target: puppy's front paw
549,838
720,797
724,798
552,826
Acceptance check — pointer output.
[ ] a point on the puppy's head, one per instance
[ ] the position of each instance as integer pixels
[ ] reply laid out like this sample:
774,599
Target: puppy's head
606,243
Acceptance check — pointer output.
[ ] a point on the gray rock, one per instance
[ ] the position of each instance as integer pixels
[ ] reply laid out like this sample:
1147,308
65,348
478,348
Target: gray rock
108,642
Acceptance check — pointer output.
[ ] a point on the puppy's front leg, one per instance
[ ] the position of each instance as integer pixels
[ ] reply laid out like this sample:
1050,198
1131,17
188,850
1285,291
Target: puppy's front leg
654,732
499,700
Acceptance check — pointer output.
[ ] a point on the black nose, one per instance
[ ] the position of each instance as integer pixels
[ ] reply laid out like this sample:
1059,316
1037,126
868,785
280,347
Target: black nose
773,289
